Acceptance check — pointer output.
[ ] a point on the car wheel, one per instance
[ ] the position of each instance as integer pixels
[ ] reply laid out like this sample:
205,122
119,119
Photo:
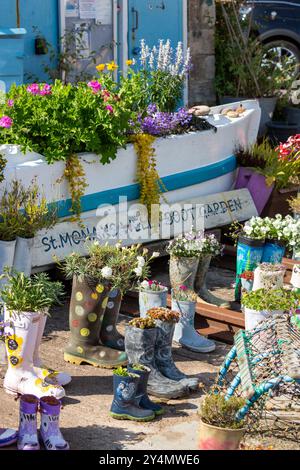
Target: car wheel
280,52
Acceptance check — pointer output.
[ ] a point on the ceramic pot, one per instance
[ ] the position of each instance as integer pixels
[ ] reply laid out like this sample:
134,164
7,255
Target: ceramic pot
215,438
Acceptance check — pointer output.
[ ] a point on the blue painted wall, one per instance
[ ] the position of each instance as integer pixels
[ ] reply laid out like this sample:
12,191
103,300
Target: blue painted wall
42,14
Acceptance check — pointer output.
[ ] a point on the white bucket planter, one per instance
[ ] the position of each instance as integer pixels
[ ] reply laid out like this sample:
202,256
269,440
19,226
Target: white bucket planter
23,255
264,279
152,299
253,317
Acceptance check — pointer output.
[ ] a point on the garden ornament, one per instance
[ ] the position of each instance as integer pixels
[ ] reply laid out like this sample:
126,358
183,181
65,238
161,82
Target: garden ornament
27,435
87,307
50,433
140,347
124,405
20,339
163,355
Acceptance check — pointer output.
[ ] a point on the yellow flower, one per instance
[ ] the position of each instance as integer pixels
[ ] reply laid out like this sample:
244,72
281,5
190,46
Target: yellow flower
100,67
129,62
112,66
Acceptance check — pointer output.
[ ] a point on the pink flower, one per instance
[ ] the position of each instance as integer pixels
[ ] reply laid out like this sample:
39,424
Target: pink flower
34,89
6,122
95,86
109,108
183,287
10,103
150,283
46,90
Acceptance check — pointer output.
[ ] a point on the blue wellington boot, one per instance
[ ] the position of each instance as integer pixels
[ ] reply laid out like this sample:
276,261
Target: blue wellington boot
141,394
124,403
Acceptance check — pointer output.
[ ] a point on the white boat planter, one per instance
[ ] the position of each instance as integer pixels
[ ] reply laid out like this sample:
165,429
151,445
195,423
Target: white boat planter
187,164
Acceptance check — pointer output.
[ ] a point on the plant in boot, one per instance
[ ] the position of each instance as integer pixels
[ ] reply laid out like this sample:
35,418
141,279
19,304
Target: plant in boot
139,346
27,435
26,300
153,286
50,433
125,405
141,393
184,302
151,294
165,321
163,314
142,323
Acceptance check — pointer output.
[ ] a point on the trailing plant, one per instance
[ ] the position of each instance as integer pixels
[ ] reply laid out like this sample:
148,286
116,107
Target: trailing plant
30,294
183,294
75,175
153,286
142,323
151,185
271,300
220,412
163,314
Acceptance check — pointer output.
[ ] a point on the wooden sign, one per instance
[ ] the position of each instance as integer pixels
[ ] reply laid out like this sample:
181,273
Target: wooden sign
129,224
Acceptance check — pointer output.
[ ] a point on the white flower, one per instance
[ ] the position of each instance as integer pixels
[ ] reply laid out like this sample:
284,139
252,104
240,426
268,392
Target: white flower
155,254
106,272
141,261
138,271
145,285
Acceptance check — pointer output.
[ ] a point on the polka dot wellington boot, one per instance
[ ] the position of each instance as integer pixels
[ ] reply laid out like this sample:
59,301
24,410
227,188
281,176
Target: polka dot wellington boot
21,377
49,375
49,430
27,436
87,307
124,405
109,335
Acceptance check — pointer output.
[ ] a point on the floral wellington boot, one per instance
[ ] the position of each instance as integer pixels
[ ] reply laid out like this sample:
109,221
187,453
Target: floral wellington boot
109,335
50,376
49,430
21,378
88,303
27,435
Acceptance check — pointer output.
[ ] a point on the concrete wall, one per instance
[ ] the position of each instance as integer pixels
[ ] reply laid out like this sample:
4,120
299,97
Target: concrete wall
201,27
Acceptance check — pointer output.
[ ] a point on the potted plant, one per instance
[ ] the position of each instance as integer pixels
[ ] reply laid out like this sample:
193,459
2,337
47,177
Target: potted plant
262,303
141,336
219,428
268,276
151,294
26,300
247,278
184,301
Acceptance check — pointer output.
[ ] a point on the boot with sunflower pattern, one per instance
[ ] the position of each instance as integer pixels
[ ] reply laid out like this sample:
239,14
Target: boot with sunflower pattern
49,375
20,339
87,307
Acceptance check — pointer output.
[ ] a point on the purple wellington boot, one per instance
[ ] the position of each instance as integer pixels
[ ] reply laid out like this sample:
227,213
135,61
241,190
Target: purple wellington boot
28,439
50,432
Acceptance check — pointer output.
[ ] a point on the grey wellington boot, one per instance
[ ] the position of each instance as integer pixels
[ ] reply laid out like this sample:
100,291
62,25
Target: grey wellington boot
164,359
139,346
109,335
183,271
200,284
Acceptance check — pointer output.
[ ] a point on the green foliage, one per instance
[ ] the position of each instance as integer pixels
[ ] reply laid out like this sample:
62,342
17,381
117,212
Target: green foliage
271,299
121,371
139,367
30,294
71,119
217,411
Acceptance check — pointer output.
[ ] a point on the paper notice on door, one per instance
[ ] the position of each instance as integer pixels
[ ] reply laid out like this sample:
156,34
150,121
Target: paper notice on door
104,11
72,8
87,9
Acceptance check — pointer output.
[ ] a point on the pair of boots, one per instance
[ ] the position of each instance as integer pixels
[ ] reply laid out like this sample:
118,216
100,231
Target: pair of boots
94,338
152,347
131,399
50,434
26,373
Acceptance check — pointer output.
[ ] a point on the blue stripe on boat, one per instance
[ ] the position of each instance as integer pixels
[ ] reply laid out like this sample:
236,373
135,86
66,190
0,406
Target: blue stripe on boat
132,192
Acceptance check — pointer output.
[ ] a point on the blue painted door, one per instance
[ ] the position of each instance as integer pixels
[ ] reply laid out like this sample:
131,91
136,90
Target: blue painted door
41,15
153,20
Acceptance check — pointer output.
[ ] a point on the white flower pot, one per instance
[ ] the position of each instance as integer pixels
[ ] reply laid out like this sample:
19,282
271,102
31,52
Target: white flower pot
268,279
253,317
23,255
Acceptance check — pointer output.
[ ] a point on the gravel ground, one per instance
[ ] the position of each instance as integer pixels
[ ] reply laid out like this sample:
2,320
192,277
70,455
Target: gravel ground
85,420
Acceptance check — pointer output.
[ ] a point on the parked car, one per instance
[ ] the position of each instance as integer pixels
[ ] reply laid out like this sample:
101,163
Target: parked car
277,25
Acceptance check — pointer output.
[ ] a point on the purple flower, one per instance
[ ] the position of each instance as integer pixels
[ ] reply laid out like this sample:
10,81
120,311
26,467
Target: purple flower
34,89
46,90
95,86
6,122
109,108
10,103
152,108
159,123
